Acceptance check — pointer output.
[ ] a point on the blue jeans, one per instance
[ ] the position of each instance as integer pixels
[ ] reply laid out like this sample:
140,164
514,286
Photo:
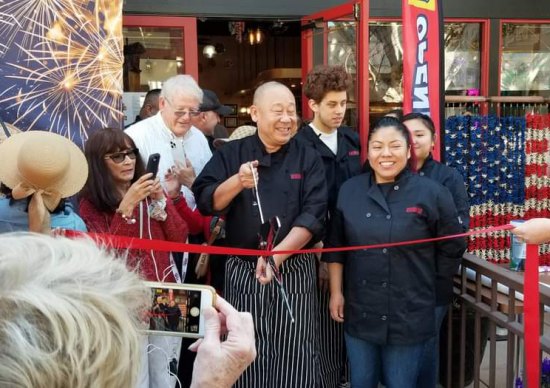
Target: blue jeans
397,364
429,368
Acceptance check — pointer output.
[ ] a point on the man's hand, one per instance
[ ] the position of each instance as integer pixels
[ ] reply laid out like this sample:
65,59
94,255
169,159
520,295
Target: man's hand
185,174
219,364
264,273
246,177
323,276
336,306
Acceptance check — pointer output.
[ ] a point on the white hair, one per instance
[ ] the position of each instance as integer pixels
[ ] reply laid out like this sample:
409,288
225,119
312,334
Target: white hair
181,84
69,314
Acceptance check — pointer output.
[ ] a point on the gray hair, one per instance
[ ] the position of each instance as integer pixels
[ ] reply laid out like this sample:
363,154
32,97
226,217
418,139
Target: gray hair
181,84
68,314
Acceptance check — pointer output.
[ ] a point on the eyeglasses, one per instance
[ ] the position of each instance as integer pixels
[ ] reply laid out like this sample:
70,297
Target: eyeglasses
181,113
118,157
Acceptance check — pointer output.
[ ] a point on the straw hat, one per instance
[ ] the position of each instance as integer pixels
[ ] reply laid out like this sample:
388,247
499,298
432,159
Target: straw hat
11,130
39,161
238,133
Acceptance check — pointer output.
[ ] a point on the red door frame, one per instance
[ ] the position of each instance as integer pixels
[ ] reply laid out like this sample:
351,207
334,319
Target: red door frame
187,24
362,51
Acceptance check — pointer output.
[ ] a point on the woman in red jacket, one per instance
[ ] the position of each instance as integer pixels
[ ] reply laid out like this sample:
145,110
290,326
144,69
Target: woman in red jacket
119,198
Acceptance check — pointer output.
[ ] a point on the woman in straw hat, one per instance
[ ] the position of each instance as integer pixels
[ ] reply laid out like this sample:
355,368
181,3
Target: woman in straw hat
38,170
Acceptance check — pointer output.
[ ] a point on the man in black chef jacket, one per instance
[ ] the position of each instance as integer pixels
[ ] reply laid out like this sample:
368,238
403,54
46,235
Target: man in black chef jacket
291,185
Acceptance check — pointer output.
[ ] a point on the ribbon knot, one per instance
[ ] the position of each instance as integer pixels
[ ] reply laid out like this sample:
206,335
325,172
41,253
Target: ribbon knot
50,197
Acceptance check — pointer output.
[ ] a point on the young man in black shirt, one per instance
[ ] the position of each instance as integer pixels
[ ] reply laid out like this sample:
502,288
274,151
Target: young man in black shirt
326,88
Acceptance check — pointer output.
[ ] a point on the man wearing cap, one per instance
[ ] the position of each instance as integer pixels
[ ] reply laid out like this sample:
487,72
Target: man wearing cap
209,119
291,184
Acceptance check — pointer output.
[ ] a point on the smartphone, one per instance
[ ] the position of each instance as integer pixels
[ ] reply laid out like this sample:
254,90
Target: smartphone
176,309
178,152
153,164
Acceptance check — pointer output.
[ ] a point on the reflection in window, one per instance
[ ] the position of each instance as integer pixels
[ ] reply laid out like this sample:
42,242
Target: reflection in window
525,62
462,58
386,62
151,55
341,51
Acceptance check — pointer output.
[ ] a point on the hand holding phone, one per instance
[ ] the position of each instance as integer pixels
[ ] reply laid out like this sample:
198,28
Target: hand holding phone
153,165
177,309
221,363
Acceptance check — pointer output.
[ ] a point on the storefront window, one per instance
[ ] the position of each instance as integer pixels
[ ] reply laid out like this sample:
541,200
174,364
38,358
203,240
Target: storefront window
462,58
152,55
525,62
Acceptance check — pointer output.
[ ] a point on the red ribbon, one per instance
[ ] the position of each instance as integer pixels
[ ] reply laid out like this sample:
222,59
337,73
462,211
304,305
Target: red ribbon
123,242
531,280
532,315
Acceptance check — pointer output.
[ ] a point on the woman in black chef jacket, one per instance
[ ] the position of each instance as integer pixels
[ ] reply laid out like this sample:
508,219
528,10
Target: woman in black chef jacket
386,296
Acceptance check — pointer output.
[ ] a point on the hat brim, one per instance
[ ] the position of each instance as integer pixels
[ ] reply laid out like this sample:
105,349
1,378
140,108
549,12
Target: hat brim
12,129
77,172
224,110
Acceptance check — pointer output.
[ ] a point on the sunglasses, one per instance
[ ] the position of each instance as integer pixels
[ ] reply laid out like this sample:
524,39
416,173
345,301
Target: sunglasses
118,157
181,113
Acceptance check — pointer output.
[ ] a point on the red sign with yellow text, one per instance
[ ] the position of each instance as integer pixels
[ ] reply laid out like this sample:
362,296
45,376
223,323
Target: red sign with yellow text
422,82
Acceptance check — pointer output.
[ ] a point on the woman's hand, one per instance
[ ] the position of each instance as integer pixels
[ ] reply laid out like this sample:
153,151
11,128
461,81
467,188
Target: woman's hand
137,192
171,184
156,190
336,306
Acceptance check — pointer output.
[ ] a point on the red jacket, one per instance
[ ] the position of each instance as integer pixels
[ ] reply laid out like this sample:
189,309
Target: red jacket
153,265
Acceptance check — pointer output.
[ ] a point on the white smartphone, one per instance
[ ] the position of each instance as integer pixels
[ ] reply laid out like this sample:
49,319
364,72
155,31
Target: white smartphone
176,309
178,152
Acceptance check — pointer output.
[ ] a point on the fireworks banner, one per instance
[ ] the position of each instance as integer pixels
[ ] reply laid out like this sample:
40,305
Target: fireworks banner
422,61
61,65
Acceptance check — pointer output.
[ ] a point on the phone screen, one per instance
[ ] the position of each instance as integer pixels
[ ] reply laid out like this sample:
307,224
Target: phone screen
176,309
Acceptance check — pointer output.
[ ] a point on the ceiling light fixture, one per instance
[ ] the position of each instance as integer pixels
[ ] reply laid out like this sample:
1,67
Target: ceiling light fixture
209,51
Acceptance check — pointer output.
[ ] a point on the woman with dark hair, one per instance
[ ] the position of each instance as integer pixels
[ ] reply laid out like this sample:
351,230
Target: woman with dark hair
119,198
386,298
422,130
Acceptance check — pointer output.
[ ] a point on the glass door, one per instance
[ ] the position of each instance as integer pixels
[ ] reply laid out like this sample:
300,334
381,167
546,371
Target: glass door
339,36
155,49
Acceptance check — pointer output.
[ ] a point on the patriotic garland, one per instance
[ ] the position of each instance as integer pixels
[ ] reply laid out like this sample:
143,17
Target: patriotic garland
504,162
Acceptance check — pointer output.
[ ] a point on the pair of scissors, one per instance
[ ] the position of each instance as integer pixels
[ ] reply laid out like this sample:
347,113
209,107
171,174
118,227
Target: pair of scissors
268,235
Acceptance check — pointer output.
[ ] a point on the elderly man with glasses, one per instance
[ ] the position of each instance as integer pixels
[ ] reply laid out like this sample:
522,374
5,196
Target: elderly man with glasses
184,152
183,148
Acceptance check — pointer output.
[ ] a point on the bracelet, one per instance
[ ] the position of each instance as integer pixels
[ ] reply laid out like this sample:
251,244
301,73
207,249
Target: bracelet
157,210
129,219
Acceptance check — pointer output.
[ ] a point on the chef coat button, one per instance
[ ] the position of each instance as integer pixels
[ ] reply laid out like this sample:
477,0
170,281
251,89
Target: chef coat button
384,284
388,217
383,317
385,250
368,215
396,187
